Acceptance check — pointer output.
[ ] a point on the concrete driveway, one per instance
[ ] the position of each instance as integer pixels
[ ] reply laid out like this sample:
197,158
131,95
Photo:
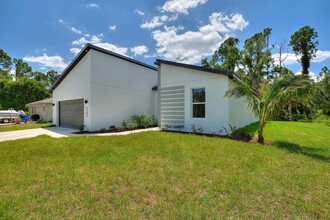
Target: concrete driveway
55,132
59,132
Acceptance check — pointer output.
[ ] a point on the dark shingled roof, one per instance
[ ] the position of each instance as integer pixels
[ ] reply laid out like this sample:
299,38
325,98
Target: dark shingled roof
200,68
83,52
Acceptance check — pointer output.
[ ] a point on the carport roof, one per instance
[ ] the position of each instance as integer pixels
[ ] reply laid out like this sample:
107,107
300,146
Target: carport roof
84,51
44,101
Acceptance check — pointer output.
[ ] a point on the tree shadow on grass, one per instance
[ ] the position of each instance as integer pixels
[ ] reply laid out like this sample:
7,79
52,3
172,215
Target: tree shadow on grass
313,152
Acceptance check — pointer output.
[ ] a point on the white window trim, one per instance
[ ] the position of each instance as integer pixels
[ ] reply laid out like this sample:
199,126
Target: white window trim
193,103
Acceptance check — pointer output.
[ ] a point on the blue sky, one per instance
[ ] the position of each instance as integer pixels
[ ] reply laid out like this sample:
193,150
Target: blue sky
48,34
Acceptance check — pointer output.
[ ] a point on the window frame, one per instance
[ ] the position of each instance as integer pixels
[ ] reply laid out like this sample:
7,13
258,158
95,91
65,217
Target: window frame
197,103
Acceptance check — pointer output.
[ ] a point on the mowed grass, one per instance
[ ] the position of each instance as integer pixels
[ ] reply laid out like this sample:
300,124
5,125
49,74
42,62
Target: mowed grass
24,126
166,175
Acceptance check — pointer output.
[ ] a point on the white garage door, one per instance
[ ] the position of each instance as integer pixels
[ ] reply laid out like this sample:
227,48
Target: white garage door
72,113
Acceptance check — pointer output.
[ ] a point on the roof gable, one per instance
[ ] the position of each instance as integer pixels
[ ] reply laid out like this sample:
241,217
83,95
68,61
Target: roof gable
84,51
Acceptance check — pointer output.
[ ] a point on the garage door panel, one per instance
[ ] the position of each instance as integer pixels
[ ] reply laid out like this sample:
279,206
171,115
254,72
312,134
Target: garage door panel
72,113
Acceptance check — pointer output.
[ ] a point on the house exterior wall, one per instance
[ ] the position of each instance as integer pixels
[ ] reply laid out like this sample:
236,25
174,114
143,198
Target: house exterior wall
240,114
217,107
76,85
119,89
44,110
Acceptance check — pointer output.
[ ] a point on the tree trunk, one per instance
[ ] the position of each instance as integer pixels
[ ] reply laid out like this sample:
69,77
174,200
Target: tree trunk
261,139
290,112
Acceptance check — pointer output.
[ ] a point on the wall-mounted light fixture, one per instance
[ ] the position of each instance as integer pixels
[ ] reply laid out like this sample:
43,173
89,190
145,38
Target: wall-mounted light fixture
53,104
86,101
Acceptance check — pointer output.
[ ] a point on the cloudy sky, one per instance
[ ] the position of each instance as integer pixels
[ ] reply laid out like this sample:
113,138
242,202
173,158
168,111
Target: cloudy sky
48,34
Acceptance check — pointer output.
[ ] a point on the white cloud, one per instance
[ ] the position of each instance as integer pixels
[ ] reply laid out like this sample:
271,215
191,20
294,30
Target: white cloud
224,23
75,51
45,61
41,50
181,6
311,74
97,41
93,5
112,27
139,12
155,22
321,56
158,21
192,46
291,58
139,50
75,30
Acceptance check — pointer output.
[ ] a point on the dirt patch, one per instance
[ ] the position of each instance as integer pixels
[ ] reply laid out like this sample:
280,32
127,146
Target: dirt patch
248,139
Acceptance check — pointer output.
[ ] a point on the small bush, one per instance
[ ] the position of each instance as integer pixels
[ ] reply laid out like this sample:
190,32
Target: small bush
103,130
143,120
81,128
112,128
123,125
196,130
132,124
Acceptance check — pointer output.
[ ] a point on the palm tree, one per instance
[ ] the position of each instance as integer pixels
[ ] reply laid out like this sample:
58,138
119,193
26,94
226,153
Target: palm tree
265,100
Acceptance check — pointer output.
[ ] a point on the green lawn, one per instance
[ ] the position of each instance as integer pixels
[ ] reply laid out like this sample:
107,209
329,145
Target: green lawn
24,126
167,175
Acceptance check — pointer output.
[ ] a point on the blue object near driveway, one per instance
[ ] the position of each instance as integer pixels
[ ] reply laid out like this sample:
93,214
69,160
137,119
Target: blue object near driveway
24,118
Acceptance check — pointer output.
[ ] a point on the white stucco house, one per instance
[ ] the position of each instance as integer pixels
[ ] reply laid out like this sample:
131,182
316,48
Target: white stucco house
43,108
101,88
194,96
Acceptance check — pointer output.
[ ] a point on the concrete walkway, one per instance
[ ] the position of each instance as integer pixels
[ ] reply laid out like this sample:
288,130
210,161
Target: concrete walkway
58,132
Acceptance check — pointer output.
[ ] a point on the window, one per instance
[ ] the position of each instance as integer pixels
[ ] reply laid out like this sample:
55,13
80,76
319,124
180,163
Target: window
198,103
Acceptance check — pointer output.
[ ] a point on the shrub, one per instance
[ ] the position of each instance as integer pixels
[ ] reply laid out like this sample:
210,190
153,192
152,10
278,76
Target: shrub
81,127
103,130
132,124
143,120
123,125
196,130
112,128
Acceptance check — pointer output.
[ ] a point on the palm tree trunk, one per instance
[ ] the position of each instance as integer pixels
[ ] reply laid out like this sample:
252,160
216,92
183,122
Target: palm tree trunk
261,138
290,112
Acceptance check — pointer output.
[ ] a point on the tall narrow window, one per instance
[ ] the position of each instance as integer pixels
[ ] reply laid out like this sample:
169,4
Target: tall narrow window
198,103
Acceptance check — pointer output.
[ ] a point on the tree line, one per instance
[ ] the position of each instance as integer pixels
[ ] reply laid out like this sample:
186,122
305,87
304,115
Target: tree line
272,90
23,85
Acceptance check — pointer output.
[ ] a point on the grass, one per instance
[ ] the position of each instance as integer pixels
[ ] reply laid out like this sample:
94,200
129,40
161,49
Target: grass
24,126
168,175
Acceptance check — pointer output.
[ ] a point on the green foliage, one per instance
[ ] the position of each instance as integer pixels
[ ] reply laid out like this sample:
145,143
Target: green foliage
22,68
304,44
52,76
132,124
81,128
112,128
321,93
226,57
103,130
195,129
143,120
123,125
5,65
39,76
264,96
16,94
